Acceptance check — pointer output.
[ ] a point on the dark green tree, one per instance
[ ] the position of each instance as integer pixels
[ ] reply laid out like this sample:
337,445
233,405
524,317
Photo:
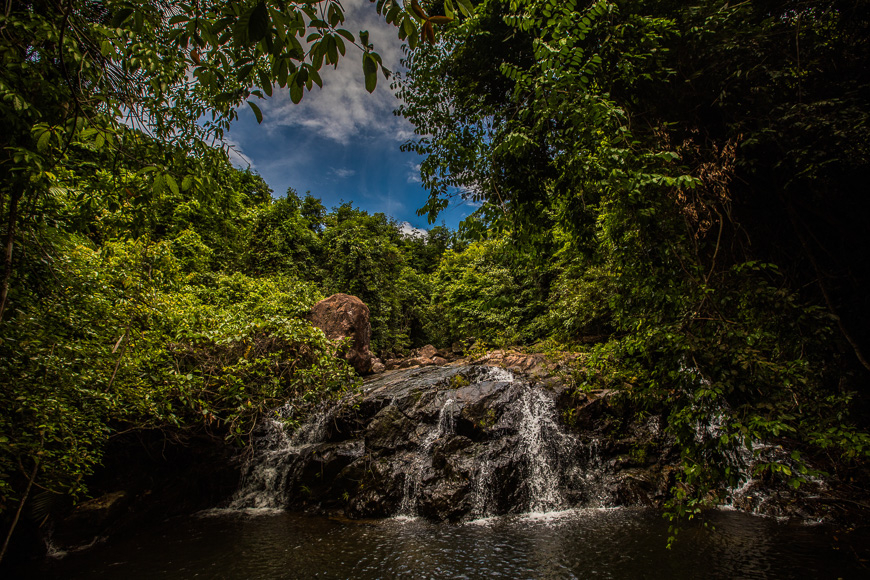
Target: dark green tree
701,162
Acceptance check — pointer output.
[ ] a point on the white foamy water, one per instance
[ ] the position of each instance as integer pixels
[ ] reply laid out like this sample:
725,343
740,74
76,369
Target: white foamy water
542,441
496,374
269,470
412,488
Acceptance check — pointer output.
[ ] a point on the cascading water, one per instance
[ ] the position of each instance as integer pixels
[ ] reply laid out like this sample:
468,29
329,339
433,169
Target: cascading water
267,473
543,442
483,499
412,486
438,442
592,473
462,443
755,495
751,493
263,477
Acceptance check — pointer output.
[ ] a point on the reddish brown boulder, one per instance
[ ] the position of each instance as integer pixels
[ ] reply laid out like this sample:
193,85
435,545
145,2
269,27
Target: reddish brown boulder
427,351
344,316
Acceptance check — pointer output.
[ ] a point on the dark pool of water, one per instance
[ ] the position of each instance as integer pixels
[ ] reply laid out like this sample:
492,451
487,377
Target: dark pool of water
621,543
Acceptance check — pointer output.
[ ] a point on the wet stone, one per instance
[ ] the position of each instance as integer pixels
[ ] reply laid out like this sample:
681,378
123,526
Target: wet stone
454,442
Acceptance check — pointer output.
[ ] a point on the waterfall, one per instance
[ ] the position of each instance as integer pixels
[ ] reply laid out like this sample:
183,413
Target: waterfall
411,488
594,474
543,442
483,494
751,493
269,471
314,430
444,442
495,374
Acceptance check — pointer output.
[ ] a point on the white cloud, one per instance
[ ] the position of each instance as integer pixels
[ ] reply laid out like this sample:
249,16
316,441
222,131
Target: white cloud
342,172
409,231
343,110
414,174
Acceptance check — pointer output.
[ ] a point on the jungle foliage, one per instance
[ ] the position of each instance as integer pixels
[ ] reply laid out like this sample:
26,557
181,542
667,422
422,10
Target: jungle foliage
691,175
673,188
187,314
147,284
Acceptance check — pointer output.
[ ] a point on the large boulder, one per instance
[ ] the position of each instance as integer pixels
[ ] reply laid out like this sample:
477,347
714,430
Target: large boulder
344,316
427,351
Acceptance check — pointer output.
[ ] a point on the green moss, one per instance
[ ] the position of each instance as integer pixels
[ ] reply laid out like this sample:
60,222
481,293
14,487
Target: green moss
638,455
488,419
459,381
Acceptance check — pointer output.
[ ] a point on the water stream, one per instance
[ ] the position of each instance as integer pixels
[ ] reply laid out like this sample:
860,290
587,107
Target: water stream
412,487
528,459
528,499
543,442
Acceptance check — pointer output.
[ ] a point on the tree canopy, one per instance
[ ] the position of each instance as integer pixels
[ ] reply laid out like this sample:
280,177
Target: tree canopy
698,166
145,282
671,189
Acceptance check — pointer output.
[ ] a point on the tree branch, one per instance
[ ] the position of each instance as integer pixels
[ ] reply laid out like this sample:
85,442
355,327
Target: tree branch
20,509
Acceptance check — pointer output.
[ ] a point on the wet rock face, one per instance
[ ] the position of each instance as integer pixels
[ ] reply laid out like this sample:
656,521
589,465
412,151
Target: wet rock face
453,442
90,518
344,316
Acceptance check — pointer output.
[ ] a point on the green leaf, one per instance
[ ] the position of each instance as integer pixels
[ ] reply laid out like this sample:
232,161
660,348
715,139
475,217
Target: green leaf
240,30
173,186
295,49
314,76
257,112
226,97
120,16
408,26
295,91
43,141
449,10
265,82
258,23
465,7
221,24
346,34
244,71
331,50
282,72
370,70
159,184
317,53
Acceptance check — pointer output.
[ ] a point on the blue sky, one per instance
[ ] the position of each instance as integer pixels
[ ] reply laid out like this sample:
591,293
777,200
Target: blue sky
341,143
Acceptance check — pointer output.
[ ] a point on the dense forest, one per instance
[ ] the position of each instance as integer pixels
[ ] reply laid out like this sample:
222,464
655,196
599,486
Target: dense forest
672,189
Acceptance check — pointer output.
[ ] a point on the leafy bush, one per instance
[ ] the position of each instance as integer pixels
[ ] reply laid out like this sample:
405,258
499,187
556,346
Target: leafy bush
122,342
480,292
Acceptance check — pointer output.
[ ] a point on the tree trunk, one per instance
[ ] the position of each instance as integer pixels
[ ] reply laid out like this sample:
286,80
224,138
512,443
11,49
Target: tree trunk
20,509
9,242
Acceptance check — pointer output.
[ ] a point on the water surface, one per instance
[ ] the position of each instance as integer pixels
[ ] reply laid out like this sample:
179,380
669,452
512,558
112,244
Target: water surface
615,543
